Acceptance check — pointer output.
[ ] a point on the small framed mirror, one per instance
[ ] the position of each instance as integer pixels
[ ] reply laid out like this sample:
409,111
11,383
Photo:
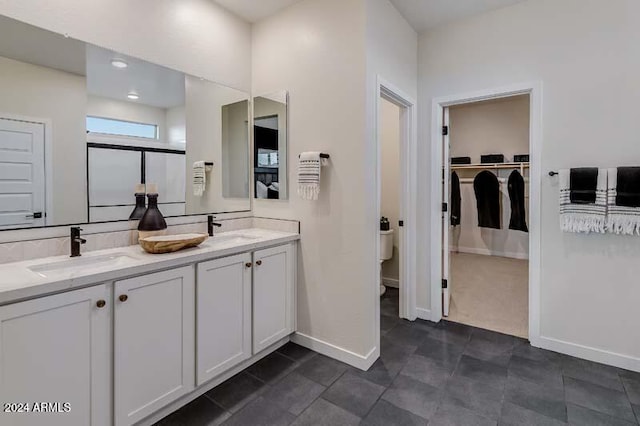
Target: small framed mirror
270,139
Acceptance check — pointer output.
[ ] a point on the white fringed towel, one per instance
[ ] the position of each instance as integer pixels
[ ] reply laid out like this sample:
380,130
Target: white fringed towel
309,168
199,178
621,220
583,218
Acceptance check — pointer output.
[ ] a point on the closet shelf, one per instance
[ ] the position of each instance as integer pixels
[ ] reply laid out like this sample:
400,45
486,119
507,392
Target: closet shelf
490,166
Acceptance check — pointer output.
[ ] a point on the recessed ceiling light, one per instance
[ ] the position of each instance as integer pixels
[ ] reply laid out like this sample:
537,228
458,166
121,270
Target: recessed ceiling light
133,96
119,63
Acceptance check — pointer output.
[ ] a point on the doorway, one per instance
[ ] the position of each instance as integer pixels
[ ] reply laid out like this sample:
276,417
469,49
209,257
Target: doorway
485,233
22,183
485,266
395,182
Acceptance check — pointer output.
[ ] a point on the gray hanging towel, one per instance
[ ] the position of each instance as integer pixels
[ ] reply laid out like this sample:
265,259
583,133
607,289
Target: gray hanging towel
456,200
487,190
516,188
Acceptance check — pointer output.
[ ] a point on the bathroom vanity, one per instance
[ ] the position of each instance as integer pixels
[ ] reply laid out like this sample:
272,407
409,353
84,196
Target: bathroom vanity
124,337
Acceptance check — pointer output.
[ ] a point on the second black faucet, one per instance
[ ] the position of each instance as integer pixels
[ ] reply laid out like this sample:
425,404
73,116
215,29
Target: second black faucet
211,224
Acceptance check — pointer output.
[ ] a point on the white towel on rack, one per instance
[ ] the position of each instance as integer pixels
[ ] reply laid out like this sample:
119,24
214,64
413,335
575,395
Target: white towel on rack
621,220
583,218
309,168
199,178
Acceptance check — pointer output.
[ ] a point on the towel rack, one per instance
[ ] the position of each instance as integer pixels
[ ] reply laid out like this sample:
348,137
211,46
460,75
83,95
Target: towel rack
322,155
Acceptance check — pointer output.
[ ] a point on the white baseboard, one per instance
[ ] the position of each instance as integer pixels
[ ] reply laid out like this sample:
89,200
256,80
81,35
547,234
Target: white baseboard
424,314
391,282
363,362
589,353
487,252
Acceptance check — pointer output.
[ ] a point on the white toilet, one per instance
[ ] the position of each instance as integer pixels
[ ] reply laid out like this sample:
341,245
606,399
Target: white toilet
386,252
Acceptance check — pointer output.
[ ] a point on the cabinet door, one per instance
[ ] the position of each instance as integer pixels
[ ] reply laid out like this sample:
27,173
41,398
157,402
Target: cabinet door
153,342
273,295
223,315
56,349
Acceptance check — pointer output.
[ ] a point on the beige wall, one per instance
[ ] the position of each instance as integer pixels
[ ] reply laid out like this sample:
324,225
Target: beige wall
315,49
390,191
44,93
194,36
586,56
327,54
491,127
235,150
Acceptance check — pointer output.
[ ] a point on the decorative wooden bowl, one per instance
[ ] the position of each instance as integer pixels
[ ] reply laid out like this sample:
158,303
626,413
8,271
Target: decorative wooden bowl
171,243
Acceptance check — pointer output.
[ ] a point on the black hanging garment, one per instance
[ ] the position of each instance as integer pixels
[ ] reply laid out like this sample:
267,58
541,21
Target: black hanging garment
518,220
487,189
456,200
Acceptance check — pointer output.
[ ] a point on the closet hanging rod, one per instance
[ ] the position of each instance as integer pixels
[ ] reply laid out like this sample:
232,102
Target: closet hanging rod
490,166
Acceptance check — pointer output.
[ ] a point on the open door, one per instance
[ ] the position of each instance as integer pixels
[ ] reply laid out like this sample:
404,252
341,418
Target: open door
446,197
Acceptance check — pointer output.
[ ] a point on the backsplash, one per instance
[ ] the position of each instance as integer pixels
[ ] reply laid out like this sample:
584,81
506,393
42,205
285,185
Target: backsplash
59,246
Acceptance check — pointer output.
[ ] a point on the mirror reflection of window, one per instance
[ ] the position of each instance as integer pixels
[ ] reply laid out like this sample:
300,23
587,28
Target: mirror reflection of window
270,146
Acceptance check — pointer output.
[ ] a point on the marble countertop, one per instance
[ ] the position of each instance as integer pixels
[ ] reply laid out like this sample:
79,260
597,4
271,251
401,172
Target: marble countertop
39,277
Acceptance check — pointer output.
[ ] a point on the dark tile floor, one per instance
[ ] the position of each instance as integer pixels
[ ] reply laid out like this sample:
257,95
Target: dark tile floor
444,374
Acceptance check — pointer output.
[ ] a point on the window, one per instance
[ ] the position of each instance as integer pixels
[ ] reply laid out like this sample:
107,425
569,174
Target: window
110,126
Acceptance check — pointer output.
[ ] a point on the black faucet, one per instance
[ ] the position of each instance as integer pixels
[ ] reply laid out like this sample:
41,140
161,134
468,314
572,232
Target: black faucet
76,241
211,224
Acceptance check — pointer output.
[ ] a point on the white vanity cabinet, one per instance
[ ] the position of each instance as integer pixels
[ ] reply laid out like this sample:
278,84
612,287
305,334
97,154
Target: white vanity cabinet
56,349
153,342
223,315
273,295
131,350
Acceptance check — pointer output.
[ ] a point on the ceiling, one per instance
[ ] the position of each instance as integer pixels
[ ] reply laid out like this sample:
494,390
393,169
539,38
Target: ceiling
421,14
426,14
252,10
157,86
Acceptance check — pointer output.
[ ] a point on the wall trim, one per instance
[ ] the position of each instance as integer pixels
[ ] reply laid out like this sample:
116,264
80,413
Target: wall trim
363,362
424,314
589,353
487,252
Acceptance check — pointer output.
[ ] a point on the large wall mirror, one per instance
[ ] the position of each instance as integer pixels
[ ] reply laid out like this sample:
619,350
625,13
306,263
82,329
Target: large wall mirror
81,126
270,146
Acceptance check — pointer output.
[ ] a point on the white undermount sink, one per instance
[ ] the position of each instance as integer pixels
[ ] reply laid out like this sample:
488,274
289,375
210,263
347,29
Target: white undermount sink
74,264
239,238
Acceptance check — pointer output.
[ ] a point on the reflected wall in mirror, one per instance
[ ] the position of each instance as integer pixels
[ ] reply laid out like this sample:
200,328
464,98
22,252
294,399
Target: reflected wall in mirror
270,135
81,126
218,132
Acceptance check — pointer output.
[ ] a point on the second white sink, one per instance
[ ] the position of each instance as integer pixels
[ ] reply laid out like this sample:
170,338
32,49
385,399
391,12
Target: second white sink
51,268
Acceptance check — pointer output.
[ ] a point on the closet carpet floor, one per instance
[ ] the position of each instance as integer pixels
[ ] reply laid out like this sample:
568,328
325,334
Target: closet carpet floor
490,292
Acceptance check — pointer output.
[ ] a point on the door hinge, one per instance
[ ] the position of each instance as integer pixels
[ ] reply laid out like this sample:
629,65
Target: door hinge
445,207
401,223
445,283
445,130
